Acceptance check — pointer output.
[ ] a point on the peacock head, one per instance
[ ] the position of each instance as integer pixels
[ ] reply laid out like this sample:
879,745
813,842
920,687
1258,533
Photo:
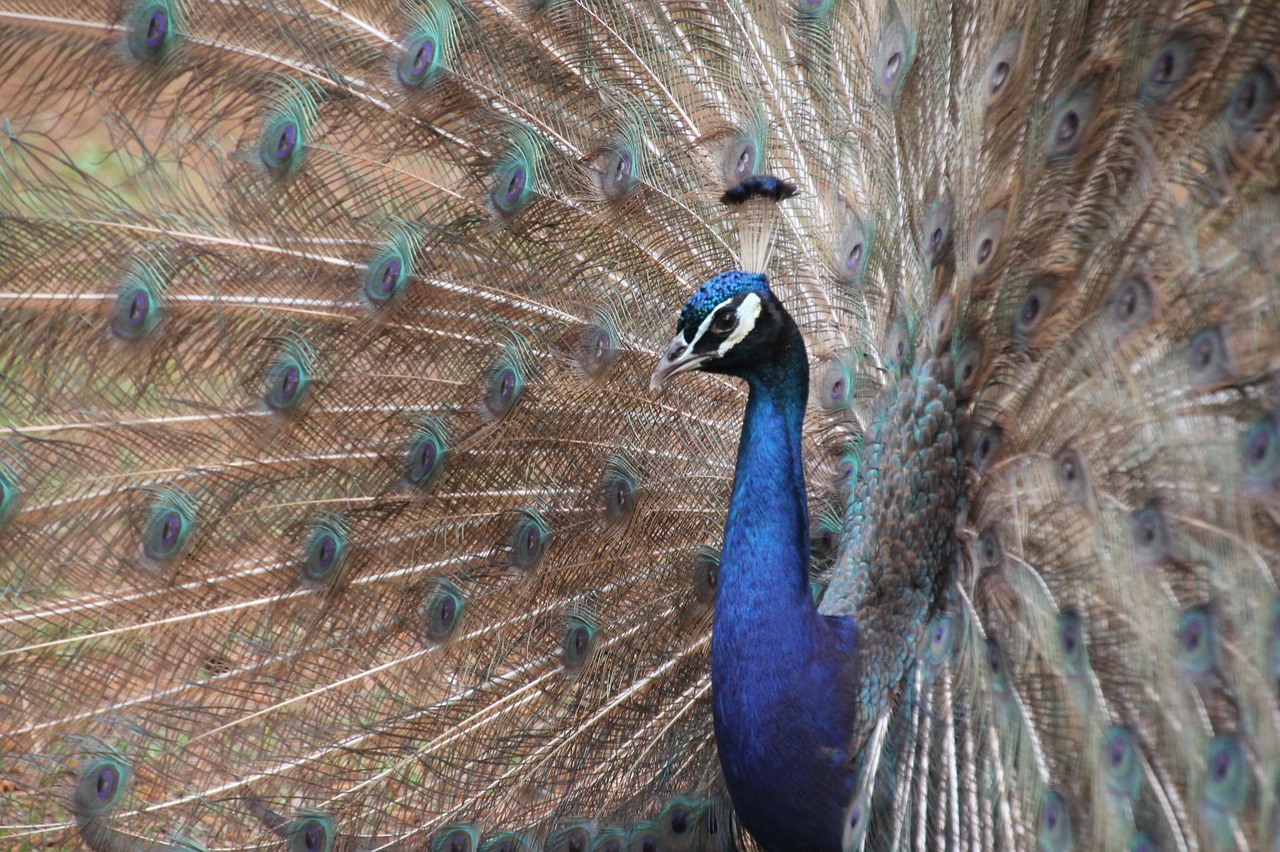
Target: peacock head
728,325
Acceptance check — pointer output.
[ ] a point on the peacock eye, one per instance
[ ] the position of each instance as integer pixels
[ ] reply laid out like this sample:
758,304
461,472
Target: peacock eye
515,185
157,27
745,162
169,529
100,787
422,58
724,322
891,68
621,169
457,841
1068,127
288,383
105,782
853,259
999,73
285,142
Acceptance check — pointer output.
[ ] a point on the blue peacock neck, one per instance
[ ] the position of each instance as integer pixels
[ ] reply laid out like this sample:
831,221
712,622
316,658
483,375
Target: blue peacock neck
783,676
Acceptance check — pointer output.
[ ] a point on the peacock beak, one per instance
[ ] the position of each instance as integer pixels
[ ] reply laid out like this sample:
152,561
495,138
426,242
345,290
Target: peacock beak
679,358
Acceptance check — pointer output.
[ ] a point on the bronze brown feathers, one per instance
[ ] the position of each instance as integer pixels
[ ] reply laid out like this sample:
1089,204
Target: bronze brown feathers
335,511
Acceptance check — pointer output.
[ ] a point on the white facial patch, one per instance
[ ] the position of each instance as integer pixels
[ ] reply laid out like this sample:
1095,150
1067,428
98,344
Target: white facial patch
747,312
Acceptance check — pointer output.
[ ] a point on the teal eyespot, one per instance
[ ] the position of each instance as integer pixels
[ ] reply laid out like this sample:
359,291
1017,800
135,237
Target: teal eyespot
1169,67
287,382
324,549
455,838
1207,359
1035,309
389,270
134,313
1121,764
504,384
937,231
994,83
678,820
984,246
418,61
528,540
506,841
1070,470
1197,642
741,156
428,45
1150,535
1227,775
853,249
835,394
1260,453
311,834
900,346
941,322
620,491
513,181
579,639
168,527
509,186
1070,122
1252,100
442,612
1071,641
101,786
597,348
282,142
616,169
139,303
1132,305
941,638
1053,828
152,29
427,453
9,493
572,838
856,819
969,367
847,466
706,573
893,58
986,447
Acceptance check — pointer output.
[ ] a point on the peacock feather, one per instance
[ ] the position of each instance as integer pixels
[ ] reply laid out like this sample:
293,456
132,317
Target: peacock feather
342,506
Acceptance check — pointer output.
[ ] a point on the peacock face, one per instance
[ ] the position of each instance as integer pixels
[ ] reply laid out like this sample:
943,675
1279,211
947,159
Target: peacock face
723,321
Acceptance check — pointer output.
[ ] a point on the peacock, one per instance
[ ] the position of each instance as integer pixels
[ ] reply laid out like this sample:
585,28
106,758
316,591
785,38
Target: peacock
603,425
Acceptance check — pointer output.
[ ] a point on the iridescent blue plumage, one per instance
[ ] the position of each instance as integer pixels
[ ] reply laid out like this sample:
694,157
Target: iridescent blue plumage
798,688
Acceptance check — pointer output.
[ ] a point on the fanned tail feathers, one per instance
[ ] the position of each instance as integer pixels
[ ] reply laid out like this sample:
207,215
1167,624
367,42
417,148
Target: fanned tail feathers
335,511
